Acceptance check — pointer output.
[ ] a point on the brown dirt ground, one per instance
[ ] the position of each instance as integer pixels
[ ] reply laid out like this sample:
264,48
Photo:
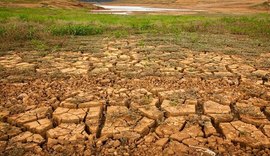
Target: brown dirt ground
124,100
66,4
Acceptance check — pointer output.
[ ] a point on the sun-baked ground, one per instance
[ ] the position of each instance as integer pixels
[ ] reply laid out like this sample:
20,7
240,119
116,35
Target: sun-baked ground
73,83
129,99
66,4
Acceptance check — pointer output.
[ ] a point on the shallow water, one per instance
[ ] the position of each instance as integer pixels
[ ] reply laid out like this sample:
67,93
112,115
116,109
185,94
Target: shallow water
97,1
130,9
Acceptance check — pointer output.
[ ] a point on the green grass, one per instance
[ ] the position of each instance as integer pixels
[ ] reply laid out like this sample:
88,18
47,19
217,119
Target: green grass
19,25
83,22
76,30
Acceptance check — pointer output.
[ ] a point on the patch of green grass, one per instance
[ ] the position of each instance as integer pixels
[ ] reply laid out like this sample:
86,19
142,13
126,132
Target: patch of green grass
76,30
84,23
199,32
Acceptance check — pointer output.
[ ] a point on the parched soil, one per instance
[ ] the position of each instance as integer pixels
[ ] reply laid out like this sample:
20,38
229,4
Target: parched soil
133,99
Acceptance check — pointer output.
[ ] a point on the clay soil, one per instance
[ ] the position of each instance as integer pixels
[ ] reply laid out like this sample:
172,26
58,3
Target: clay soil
123,100
122,96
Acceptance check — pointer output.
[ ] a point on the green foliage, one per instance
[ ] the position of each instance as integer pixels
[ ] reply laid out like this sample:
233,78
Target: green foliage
76,30
84,23
199,32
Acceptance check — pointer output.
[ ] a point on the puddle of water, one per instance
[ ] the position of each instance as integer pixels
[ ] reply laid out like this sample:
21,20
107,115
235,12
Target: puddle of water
125,10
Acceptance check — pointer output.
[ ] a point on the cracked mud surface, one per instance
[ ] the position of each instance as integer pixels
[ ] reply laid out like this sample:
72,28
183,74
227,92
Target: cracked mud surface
131,100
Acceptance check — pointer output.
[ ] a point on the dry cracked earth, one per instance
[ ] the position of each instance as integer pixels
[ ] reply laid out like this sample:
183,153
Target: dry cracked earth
131,100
